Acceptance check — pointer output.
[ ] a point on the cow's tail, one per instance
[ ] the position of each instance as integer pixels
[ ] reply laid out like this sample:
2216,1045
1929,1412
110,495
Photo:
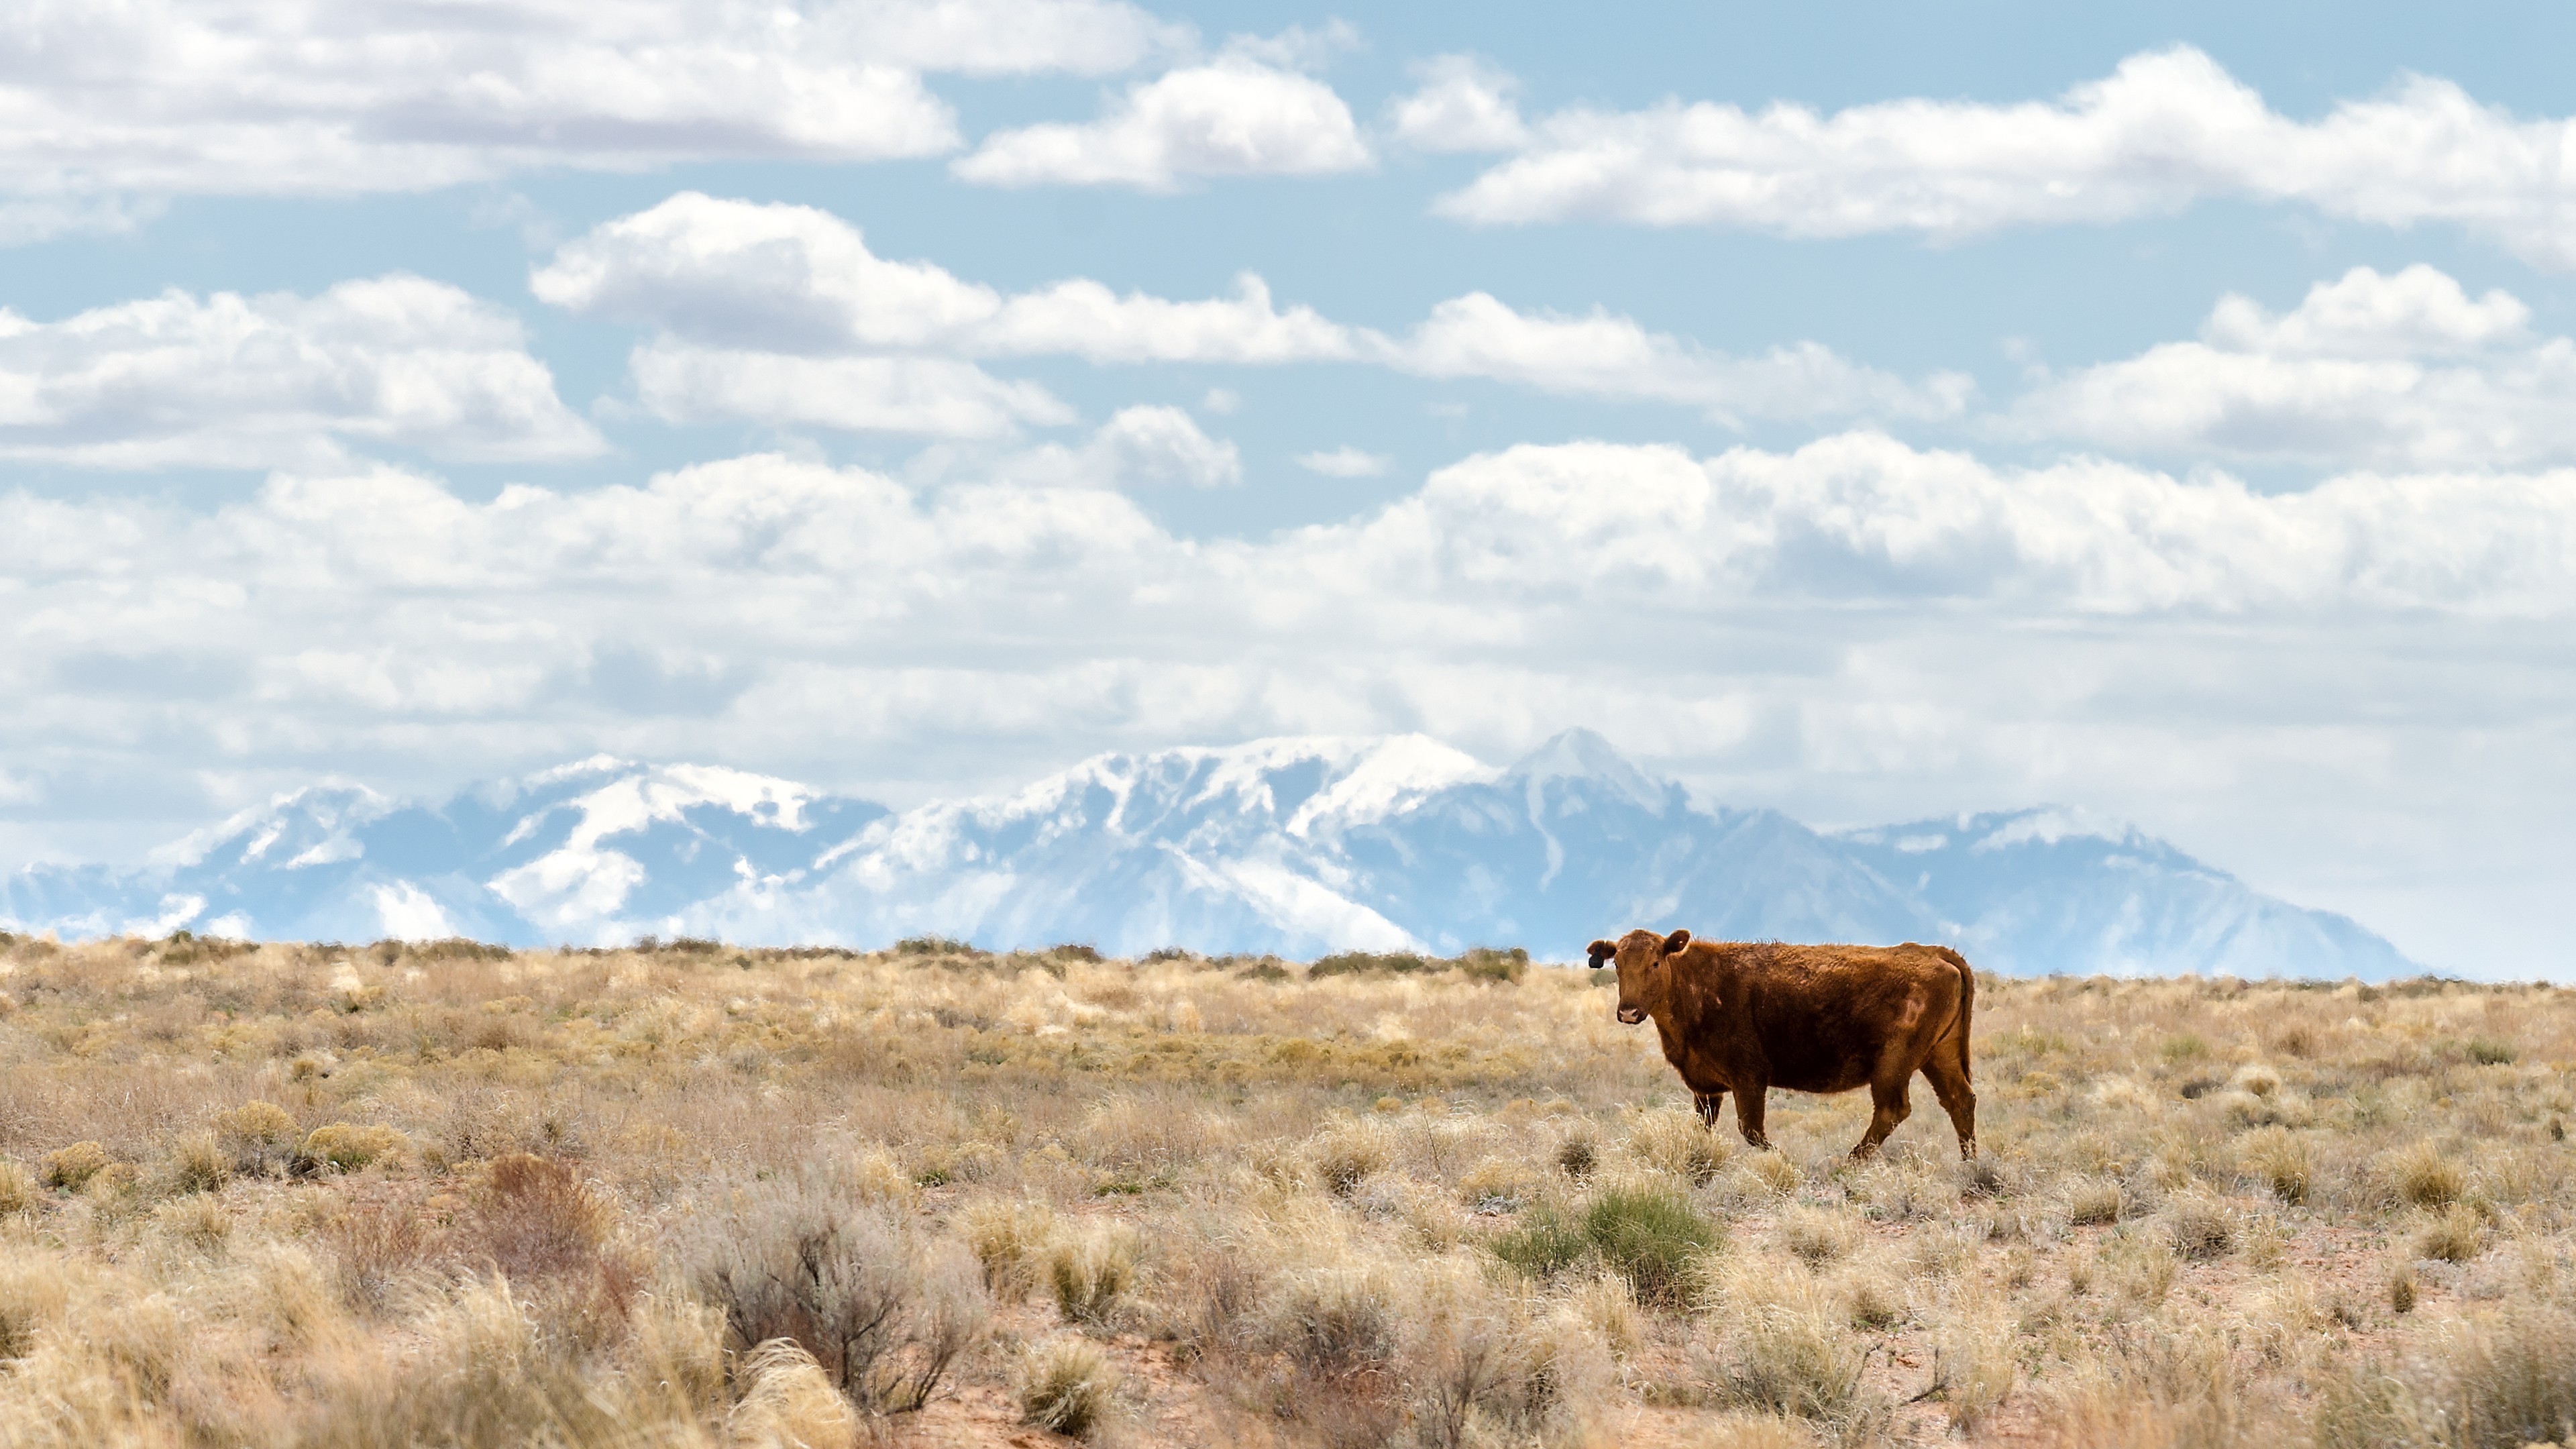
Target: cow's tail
1967,1001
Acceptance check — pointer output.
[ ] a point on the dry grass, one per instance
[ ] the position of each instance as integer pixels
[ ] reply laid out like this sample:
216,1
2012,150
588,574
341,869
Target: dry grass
698,1196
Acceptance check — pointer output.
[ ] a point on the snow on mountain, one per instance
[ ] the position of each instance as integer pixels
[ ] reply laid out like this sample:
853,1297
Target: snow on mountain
2029,889
1297,846
601,850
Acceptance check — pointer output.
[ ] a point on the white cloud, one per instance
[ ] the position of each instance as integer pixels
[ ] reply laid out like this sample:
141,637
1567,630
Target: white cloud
1222,401
1139,447
405,912
1857,630
1343,462
1602,355
235,97
1464,104
234,381
1234,116
924,396
2165,130
793,279
2391,371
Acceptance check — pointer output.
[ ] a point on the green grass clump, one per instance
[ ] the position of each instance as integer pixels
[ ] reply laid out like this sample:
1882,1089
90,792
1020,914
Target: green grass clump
1544,1243
1650,1236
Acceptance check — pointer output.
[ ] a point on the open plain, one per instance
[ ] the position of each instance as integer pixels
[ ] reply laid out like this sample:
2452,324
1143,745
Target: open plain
691,1195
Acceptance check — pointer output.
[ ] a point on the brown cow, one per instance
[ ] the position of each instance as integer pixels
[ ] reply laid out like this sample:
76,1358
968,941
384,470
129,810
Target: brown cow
1747,1018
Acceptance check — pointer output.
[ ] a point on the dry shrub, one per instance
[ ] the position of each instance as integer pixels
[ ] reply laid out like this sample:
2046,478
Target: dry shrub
2456,1236
19,1190
2497,1380
787,1399
289,1296
2422,1174
1606,1307
71,1168
1781,1345
376,1247
1973,1368
197,1163
2163,1388
35,1293
1090,1272
1067,1386
677,1344
1484,1378
347,1147
2280,1160
2096,1201
199,1220
1873,1295
1497,1184
1349,1152
1010,1239
884,1314
2200,1226
260,1136
1676,1142
536,1219
1335,1333
1772,1173
1577,1156
1817,1235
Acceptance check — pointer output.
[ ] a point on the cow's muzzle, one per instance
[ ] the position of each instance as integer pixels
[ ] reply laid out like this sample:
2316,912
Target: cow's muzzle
1631,1015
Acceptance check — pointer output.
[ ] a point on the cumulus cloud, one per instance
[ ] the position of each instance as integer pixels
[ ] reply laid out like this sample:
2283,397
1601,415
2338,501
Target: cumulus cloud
797,280
2391,371
921,396
2165,130
1343,462
1602,355
239,98
1464,104
279,379
1139,447
1235,116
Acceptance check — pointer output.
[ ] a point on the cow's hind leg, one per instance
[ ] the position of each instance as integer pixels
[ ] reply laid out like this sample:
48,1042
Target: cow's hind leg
1749,1101
1708,1104
1888,1107
1948,1069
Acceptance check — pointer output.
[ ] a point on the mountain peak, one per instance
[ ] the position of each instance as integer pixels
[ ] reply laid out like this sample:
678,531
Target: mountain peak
1582,754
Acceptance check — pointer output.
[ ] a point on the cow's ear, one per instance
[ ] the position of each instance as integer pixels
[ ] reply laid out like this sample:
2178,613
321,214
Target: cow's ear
1676,941
1600,949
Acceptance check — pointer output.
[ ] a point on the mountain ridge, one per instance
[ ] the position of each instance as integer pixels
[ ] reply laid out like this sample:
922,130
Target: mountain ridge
1297,845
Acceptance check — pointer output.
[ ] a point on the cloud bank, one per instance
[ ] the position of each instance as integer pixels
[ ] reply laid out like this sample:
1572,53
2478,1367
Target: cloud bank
281,380
160,98
2165,130
2402,371
743,278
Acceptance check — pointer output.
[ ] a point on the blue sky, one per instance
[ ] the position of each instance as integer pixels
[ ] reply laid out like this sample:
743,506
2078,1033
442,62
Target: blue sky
1871,411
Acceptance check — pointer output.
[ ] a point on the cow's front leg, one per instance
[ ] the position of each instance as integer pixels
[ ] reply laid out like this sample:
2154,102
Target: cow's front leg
1709,1104
1749,1101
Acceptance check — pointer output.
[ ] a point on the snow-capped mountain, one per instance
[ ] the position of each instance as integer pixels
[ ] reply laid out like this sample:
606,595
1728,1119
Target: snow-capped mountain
2025,890
600,850
1297,846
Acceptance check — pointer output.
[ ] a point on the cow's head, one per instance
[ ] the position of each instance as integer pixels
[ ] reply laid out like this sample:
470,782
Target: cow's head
1642,974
